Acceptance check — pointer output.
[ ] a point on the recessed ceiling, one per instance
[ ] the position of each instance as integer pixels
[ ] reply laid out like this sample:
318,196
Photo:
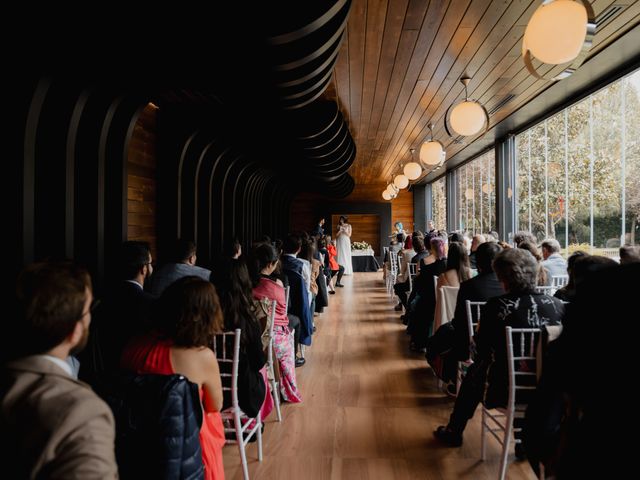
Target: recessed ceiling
400,63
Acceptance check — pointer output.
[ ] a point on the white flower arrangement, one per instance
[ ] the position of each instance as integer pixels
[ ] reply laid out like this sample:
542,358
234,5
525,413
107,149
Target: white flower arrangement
360,246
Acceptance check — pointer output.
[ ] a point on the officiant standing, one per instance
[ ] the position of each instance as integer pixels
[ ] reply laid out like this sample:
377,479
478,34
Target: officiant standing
343,245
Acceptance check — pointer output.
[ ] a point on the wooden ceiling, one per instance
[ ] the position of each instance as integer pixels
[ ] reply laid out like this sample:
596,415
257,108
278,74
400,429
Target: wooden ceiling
401,60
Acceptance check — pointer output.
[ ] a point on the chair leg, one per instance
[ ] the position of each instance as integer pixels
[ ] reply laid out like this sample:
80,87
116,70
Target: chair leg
275,393
505,446
259,433
240,440
483,436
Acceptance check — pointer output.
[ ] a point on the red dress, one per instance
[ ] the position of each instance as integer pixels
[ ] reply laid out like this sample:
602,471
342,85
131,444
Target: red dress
152,355
333,264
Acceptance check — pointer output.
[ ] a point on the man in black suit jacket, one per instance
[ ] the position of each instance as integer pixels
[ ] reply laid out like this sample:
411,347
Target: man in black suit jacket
127,309
477,289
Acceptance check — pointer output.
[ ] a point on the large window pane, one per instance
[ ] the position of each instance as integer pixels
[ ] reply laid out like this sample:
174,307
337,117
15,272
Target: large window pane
578,172
632,158
439,204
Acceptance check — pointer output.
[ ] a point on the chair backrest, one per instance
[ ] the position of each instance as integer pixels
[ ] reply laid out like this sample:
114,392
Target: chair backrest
286,299
473,320
226,347
393,255
522,346
272,320
546,289
559,280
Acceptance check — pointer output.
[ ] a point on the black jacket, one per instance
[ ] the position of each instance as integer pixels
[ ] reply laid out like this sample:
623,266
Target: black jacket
478,289
158,419
524,310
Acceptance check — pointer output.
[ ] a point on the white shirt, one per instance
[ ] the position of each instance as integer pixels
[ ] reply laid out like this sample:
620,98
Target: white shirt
60,363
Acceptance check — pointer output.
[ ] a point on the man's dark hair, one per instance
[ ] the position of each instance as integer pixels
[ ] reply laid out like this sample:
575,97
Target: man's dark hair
485,253
133,256
292,243
231,247
418,244
50,299
456,237
184,250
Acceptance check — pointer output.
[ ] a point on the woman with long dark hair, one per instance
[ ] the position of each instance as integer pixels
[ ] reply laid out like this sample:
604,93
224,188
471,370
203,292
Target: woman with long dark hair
265,260
233,284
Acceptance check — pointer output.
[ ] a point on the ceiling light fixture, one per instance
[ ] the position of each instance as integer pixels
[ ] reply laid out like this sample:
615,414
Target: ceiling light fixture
432,151
559,32
412,170
467,117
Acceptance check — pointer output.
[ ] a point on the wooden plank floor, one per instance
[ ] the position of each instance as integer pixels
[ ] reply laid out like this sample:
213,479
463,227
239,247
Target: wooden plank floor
369,406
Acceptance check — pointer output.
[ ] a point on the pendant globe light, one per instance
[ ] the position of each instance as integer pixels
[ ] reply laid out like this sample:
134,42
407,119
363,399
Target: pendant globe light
467,117
401,181
386,195
412,170
432,151
559,32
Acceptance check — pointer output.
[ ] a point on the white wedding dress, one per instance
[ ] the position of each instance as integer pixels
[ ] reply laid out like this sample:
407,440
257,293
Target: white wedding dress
343,245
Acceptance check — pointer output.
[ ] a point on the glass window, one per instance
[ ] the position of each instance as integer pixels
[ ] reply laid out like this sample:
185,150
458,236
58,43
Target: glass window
476,195
578,172
439,203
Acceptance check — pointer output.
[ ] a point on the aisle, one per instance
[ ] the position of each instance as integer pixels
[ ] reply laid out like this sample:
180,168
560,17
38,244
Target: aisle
369,406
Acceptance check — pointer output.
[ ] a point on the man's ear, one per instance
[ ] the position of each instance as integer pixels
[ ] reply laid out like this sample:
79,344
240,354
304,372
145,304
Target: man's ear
192,259
76,335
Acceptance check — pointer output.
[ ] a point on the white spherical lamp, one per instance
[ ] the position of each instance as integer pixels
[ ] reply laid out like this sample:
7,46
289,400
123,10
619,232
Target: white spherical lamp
401,181
386,195
467,118
412,170
431,153
556,32
392,189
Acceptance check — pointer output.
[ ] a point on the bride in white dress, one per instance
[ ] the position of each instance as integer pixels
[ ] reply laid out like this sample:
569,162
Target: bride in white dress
343,245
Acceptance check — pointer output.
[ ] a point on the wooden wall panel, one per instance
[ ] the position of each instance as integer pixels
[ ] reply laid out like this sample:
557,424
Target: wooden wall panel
365,228
141,180
402,209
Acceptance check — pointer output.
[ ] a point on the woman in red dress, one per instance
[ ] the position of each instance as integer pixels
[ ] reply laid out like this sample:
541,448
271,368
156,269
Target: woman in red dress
189,314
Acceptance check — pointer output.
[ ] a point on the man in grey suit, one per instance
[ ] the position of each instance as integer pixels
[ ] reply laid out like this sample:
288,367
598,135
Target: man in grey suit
52,425
184,265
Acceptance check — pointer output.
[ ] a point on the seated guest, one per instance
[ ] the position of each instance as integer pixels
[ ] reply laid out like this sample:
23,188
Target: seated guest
52,425
265,259
524,236
542,272
480,288
567,292
188,314
183,265
475,243
293,267
553,262
231,249
629,254
127,308
457,269
520,307
568,414
419,248
456,237
422,302
234,289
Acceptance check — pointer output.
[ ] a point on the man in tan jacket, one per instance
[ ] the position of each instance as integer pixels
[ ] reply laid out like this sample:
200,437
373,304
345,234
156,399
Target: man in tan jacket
51,425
